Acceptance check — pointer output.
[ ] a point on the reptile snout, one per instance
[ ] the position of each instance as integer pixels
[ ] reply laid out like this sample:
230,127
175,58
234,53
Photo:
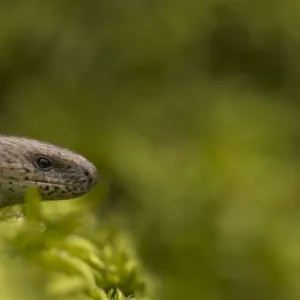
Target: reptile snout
91,174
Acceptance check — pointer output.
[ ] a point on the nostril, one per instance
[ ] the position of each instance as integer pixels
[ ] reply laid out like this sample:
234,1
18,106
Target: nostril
87,174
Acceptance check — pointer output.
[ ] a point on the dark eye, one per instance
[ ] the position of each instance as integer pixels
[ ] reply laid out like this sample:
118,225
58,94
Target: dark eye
43,163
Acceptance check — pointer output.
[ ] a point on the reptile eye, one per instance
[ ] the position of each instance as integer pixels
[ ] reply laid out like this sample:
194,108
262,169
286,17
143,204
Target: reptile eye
43,163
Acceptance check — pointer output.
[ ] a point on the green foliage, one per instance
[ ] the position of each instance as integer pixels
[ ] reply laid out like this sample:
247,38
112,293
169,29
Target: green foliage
68,257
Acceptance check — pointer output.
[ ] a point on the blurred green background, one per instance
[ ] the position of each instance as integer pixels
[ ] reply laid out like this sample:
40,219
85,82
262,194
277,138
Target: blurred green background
190,111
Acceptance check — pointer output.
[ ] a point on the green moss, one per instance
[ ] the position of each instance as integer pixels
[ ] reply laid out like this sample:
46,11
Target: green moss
67,258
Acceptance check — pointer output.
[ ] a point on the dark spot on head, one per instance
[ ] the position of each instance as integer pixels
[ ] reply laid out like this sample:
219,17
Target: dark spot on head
46,188
11,189
26,178
87,173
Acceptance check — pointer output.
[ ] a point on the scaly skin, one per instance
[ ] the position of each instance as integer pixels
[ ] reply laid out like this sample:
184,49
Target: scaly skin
69,176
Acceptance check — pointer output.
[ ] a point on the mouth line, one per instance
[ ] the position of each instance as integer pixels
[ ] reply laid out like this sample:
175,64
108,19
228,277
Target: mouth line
73,187
36,182
52,183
